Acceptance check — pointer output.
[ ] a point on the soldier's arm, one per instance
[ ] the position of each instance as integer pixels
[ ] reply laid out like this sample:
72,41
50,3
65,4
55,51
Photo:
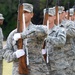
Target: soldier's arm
70,29
41,31
8,51
1,49
59,40
37,31
1,43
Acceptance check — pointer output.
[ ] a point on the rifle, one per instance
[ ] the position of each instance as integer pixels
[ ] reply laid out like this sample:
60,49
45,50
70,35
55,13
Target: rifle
45,23
56,9
45,17
23,69
68,10
74,11
74,8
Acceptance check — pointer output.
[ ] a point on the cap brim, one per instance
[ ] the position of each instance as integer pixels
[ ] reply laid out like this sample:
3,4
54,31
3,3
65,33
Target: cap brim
1,17
71,14
27,10
51,14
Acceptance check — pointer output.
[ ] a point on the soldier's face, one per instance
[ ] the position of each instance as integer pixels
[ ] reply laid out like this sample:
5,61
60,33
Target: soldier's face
51,21
28,16
1,21
51,18
63,15
74,17
60,16
66,15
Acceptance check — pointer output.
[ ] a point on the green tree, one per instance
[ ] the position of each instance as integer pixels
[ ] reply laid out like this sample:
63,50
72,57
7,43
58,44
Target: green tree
9,9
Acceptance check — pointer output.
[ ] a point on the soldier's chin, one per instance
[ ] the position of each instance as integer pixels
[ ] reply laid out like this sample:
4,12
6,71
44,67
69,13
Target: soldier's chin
1,23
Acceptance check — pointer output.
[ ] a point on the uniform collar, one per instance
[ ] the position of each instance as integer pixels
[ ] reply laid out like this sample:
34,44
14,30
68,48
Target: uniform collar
29,26
53,29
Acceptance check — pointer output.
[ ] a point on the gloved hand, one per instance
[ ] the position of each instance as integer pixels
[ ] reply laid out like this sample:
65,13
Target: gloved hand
16,36
47,39
19,53
43,51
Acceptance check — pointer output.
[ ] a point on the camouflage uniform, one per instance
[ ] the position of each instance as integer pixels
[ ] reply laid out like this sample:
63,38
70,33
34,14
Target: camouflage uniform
69,47
1,43
37,65
55,41
1,48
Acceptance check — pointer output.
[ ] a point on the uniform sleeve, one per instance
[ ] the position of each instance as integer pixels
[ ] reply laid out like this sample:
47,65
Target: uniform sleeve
59,40
41,31
1,49
38,31
1,43
70,29
8,51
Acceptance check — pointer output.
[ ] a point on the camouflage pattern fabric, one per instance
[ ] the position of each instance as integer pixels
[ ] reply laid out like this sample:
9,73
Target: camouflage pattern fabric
55,41
66,57
1,50
37,65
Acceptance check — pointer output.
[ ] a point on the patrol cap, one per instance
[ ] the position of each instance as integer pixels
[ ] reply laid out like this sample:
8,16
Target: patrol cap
44,11
27,7
51,11
71,11
60,9
1,16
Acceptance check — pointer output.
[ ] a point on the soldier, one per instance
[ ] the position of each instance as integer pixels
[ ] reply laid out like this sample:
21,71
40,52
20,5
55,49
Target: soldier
73,40
66,15
50,24
61,14
68,49
37,65
72,16
55,40
1,44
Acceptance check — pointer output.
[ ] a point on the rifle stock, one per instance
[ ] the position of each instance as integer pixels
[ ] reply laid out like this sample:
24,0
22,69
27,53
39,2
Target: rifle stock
45,15
45,23
44,55
56,14
74,8
68,11
23,69
45,19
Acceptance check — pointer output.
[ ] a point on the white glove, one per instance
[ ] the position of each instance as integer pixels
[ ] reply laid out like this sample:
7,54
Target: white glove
16,36
19,53
43,51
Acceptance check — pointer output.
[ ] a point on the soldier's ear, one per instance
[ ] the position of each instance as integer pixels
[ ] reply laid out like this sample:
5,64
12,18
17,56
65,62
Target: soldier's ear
54,17
32,14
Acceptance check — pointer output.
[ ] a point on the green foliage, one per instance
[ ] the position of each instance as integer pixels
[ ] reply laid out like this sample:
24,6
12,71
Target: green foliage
9,9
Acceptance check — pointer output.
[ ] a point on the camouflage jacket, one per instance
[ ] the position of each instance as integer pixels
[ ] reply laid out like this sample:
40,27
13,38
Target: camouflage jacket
34,45
1,43
62,55
55,41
